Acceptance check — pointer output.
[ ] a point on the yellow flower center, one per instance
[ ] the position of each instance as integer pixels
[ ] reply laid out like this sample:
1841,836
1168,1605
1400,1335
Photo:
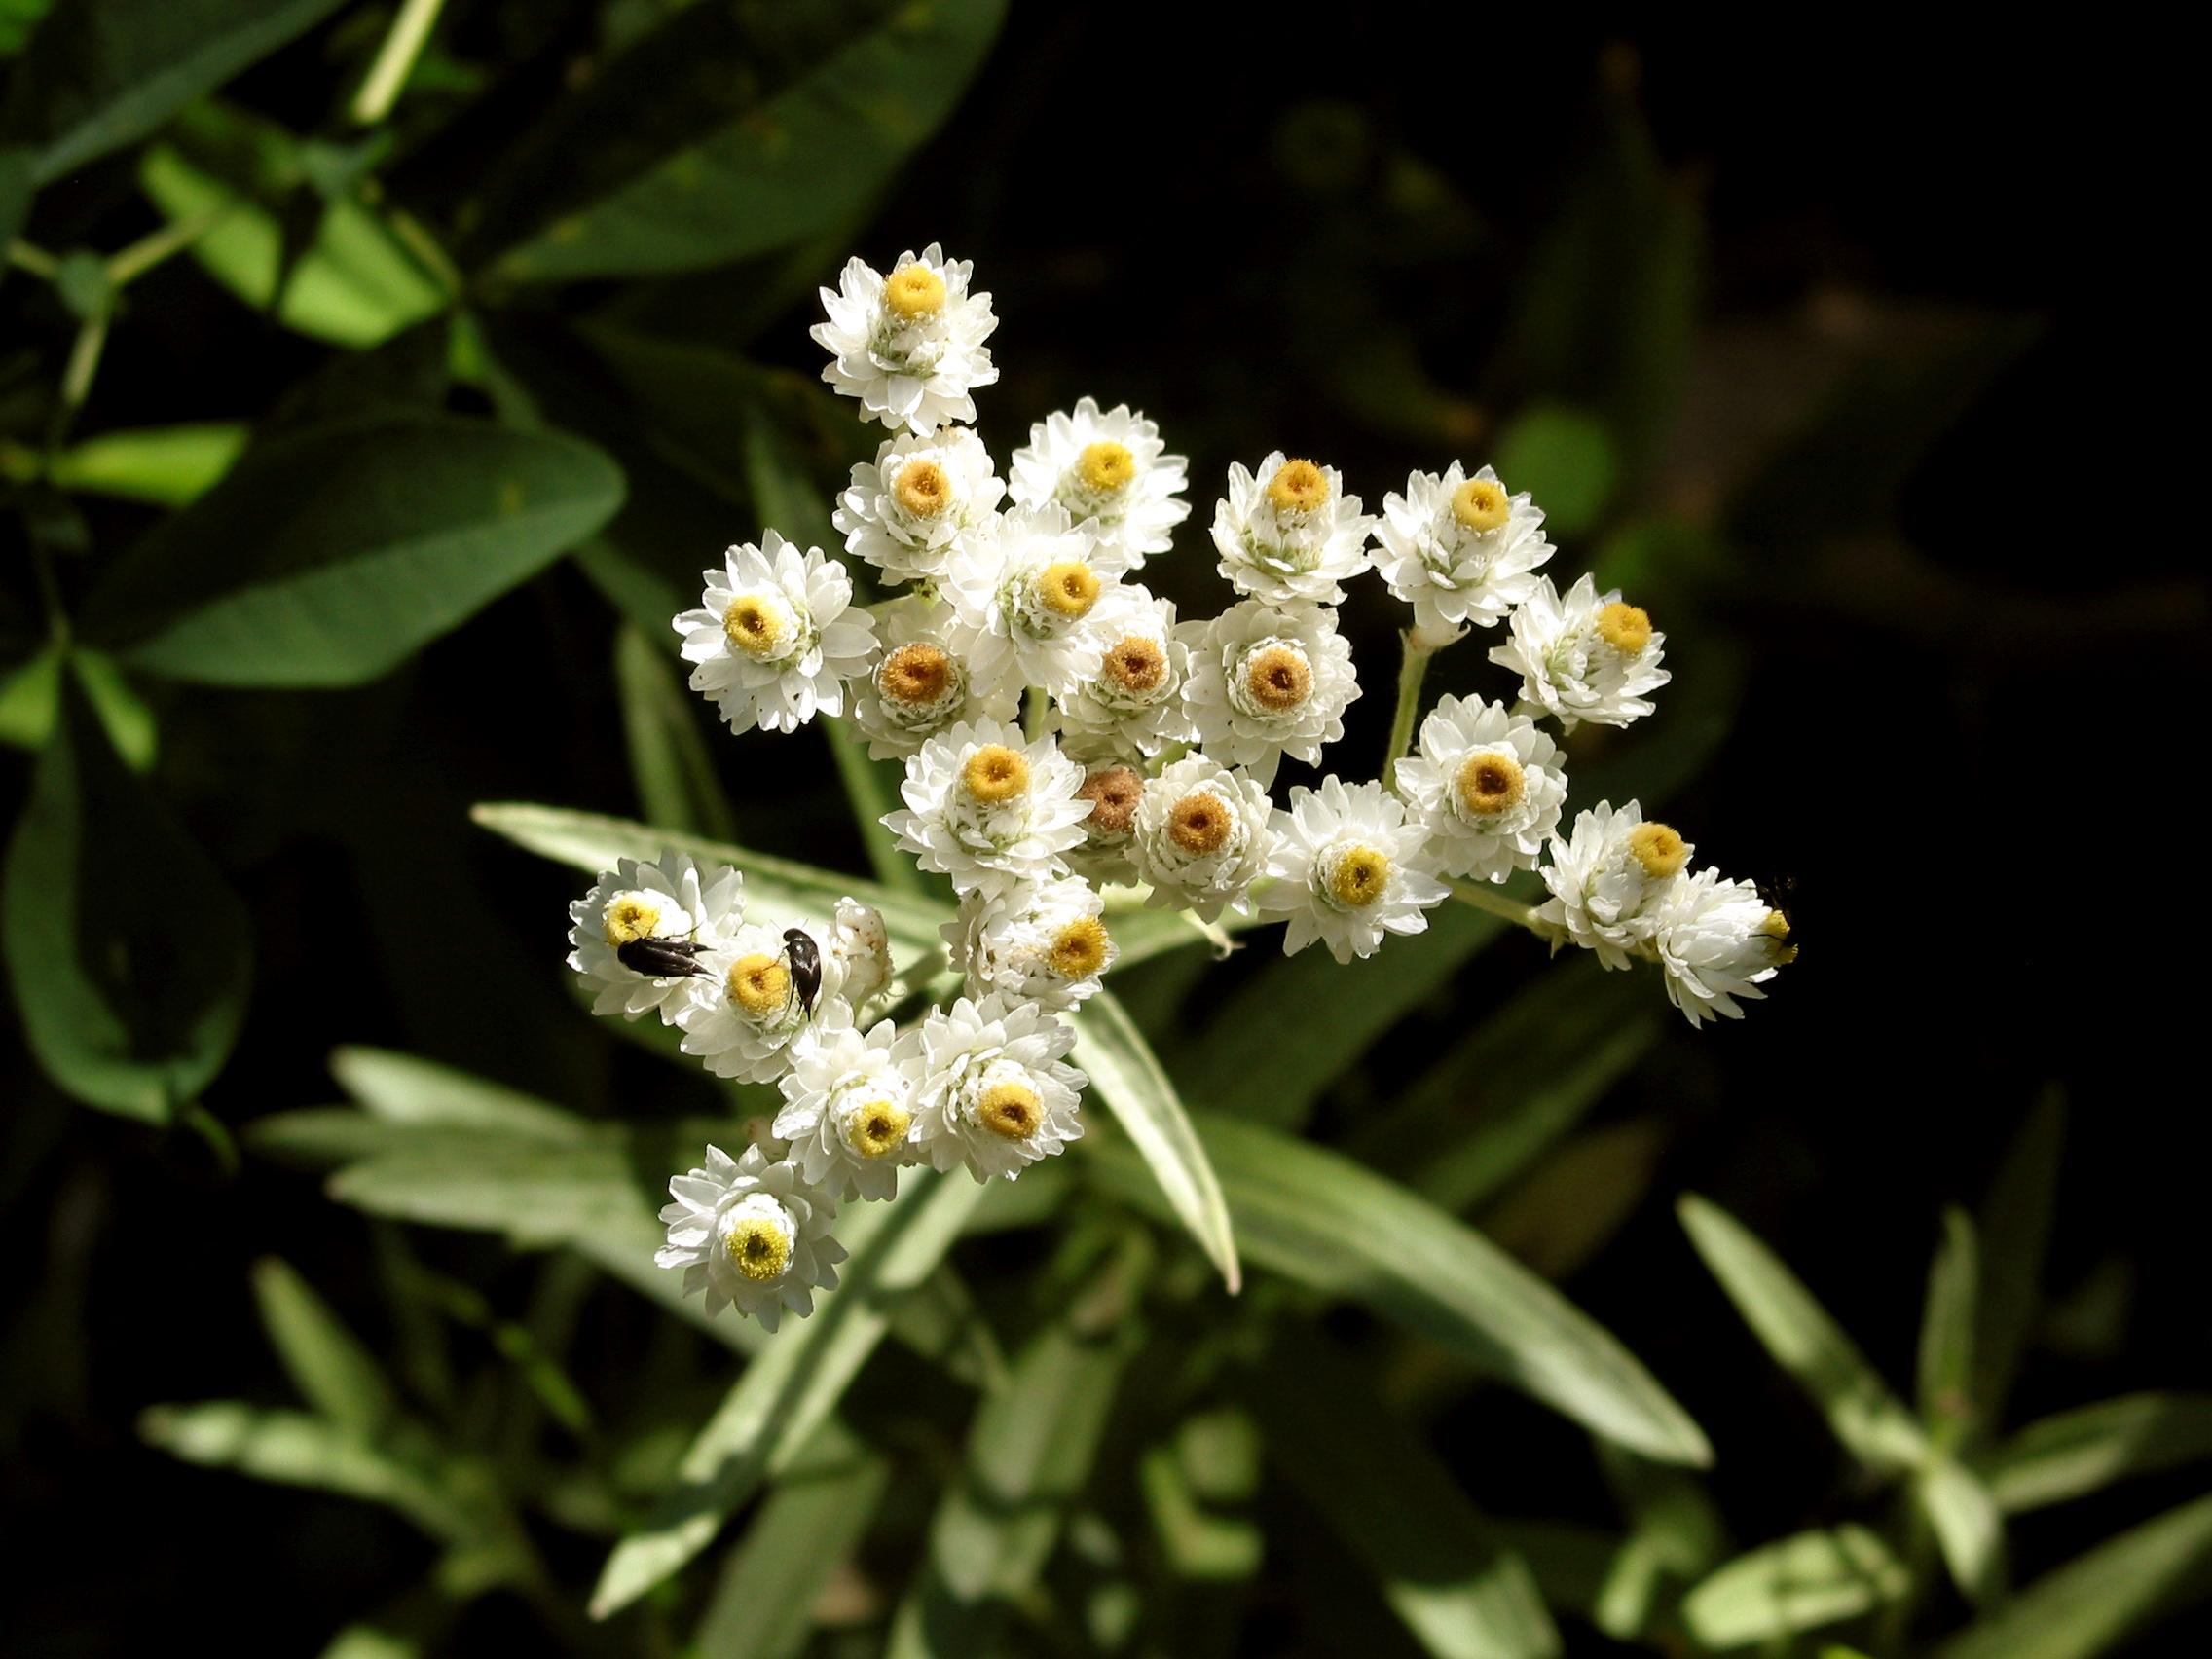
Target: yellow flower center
916,675
1278,679
1079,949
1137,664
754,626
1624,627
1659,849
877,1127
1067,587
1106,466
630,916
1199,823
1360,875
1491,782
1481,505
760,984
1010,1110
995,774
1113,793
1298,487
914,291
922,488
757,1247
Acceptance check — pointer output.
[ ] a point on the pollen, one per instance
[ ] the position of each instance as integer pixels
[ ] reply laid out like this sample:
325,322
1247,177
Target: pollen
1199,823
754,625
1481,505
913,292
1113,793
877,1127
630,916
916,675
1490,782
1659,849
1137,664
1278,679
1298,487
1012,1110
1359,876
922,489
1079,949
1068,588
1624,627
1106,467
995,774
760,984
757,1247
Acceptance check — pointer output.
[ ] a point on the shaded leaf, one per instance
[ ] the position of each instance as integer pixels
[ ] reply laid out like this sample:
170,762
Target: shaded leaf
294,1449
405,1089
2016,1233
1946,1331
1801,1583
325,1361
675,778
2075,1453
31,700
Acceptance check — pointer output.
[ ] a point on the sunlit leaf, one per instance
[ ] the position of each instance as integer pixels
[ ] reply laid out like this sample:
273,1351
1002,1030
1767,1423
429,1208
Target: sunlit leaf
167,465
1199,1488
294,1449
405,1089
31,699
2075,1453
1801,1583
1676,1536
1968,1529
326,1362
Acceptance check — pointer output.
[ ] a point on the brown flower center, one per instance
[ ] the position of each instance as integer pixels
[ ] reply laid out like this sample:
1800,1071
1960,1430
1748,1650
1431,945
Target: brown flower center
1199,823
1491,782
1010,1110
915,675
1278,679
1138,664
1113,793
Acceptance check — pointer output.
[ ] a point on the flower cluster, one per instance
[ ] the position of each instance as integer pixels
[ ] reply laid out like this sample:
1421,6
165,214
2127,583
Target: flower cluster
1072,747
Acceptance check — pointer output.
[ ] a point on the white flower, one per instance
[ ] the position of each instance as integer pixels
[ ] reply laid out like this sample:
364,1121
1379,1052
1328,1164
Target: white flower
1028,585
1115,790
920,681
1458,549
991,1088
751,1232
1584,657
1265,681
909,346
776,636
847,1109
1487,787
987,808
1717,940
922,491
757,1006
1347,868
1131,700
856,957
639,907
1202,837
1044,942
1289,532
1107,470
1607,880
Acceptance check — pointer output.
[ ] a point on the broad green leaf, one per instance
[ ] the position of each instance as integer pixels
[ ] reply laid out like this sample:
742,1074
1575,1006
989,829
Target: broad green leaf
763,1607
103,73
1869,1421
1566,458
812,154
538,1193
325,1361
1317,1217
294,1449
354,285
1946,1332
167,465
2016,1233
2075,1453
31,700
404,1088
127,951
1564,1212
801,1373
329,556
1371,1480
1801,1583
1126,1074
2094,1602
587,841
675,778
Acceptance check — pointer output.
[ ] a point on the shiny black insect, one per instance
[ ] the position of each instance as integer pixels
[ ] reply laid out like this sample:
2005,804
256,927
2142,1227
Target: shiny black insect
805,958
660,958
1780,895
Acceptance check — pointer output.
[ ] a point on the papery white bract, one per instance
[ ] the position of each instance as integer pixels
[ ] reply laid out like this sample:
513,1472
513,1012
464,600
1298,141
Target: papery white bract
1202,837
992,1091
1044,941
756,1008
847,1108
1107,470
1288,534
752,1234
1028,587
921,681
988,808
776,636
921,494
1347,868
1265,681
856,957
1717,940
909,346
1584,657
1131,702
1607,879
1486,786
1460,550
672,900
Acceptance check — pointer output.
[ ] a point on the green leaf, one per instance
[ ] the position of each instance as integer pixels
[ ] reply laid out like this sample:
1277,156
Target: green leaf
167,465
1968,1529
294,1449
31,700
801,1374
1199,1490
1317,1217
325,1361
2016,1233
677,786
2096,1601
1676,1534
813,153
1869,1421
2075,1453
764,1607
1126,1074
16,192
872,790
403,1089
1373,1481
1801,1583
1946,1332
127,951
103,73
939,1320
537,1192
1566,458
329,556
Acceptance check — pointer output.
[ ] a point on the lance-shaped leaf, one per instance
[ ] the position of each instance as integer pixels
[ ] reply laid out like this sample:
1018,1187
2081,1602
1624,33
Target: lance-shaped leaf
326,1362
329,556
406,1088
669,762
127,951
1801,1583
2075,1453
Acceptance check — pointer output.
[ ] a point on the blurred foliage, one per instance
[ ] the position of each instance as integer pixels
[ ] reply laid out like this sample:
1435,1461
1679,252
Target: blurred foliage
380,376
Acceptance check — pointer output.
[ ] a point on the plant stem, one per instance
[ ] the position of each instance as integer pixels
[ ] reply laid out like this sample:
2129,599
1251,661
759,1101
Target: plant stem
1484,896
1413,669
394,58
148,251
